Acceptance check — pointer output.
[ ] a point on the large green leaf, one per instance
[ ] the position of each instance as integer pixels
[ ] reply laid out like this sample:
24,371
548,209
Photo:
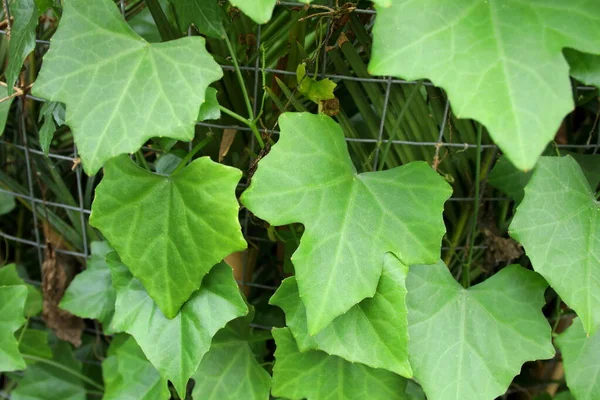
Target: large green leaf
374,332
22,37
230,370
584,67
500,61
351,219
128,375
204,14
581,358
48,382
12,306
558,224
10,277
169,230
315,375
119,89
175,346
469,344
90,294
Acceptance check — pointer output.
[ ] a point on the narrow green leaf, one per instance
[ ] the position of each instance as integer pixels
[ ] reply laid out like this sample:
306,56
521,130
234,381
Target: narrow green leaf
581,358
22,37
495,59
175,346
43,381
128,375
230,370
374,332
315,375
90,294
10,277
12,306
147,90
469,344
351,219
203,14
169,230
558,224
584,67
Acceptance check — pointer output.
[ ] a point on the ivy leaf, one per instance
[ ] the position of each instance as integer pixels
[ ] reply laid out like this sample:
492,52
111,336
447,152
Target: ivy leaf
203,14
581,358
147,90
351,219
496,60
169,230
12,305
34,342
584,67
175,346
10,277
558,223
315,375
374,332
90,294
42,379
210,108
230,370
469,344
22,37
129,376
315,90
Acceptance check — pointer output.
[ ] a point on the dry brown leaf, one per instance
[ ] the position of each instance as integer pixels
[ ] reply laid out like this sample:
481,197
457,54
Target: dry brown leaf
226,141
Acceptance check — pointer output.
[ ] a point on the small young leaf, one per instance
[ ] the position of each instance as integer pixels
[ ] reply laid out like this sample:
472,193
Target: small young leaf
584,67
175,346
351,219
315,375
495,59
10,277
210,108
374,332
558,224
12,305
229,370
4,108
315,90
7,203
147,90
203,14
128,375
169,230
22,37
43,381
581,358
90,294
469,344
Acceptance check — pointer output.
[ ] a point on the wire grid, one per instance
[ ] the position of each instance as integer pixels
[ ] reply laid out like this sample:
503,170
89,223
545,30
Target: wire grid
257,71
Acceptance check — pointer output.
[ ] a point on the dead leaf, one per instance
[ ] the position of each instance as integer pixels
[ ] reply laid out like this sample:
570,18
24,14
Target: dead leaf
226,141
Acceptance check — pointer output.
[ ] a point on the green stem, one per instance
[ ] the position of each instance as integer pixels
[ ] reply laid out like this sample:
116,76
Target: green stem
238,73
199,146
142,160
66,369
466,277
250,124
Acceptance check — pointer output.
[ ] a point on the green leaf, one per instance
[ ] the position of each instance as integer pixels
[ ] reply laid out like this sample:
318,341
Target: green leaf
315,375
558,223
12,305
90,294
169,230
22,37
203,14
10,277
581,359
147,90
129,376
374,332
259,10
44,381
230,370
315,90
509,179
7,203
584,67
51,112
4,108
34,342
500,62
469,344
351,219
210,108
175,346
